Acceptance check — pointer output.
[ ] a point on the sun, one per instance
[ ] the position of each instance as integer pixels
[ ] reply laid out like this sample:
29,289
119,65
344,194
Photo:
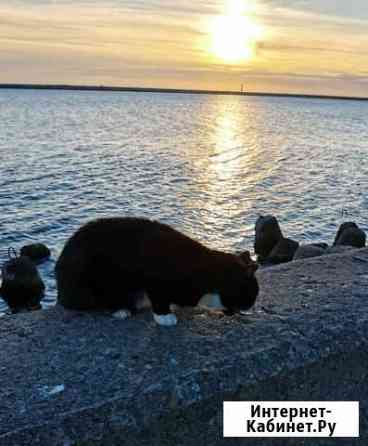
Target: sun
233,38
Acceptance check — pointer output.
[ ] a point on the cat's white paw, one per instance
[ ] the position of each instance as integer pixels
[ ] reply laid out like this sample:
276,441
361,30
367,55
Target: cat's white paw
122,314
167,320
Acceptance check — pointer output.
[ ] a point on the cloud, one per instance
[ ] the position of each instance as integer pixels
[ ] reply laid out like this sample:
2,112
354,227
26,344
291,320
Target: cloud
135,6
164,42
353,9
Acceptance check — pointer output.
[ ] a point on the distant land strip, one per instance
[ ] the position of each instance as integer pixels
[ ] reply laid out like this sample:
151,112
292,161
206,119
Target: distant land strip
174,90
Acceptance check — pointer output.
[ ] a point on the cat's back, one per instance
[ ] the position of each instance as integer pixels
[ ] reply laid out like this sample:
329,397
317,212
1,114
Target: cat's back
115,233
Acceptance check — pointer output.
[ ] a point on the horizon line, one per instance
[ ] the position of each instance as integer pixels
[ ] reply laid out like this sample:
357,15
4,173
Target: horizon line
72,87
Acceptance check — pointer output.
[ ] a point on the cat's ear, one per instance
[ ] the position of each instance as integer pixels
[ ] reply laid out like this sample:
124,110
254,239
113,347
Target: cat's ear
246,260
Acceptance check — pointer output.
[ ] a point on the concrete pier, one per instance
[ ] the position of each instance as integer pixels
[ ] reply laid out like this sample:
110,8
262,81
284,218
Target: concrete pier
68,378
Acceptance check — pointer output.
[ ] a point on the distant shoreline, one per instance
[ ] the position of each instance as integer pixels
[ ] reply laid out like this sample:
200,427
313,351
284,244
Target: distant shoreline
174,90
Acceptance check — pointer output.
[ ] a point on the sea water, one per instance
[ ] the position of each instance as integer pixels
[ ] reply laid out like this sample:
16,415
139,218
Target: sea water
208,165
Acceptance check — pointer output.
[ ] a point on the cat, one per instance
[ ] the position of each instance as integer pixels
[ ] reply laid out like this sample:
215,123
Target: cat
110,263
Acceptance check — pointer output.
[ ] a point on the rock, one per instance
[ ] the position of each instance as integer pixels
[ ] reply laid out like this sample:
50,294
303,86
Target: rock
343,227
354,237
283,252
22,287
308,251
268,234
349,234
339,249
320,245
37,252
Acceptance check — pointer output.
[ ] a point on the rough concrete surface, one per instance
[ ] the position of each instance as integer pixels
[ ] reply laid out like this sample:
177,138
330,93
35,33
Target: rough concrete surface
72,378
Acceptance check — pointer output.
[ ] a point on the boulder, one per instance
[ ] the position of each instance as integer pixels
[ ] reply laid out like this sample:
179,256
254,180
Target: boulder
283,252
339,249
343,227
320,245
22,287
308,251
349,234
268,234
37,252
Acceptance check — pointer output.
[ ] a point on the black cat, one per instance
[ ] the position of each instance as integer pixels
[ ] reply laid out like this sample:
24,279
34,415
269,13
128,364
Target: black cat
110,263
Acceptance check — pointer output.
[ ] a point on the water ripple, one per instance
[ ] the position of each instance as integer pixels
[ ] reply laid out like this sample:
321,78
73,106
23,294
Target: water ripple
209,165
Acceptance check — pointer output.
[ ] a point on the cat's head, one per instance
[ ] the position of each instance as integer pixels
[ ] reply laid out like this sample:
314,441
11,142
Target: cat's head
239,288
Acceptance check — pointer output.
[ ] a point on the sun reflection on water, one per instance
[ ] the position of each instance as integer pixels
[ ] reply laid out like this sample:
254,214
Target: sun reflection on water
228,173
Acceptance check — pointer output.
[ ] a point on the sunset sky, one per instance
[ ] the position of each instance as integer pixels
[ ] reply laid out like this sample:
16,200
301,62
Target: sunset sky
315,46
